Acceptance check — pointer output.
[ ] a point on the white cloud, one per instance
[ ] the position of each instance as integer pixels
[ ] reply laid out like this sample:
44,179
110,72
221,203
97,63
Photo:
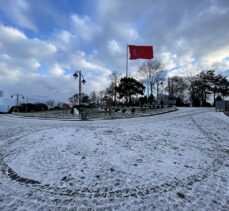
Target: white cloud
113,47
84,28
57,70
217,55
12,38
22,52
65,37
186,59
23,58
79,62
125,31
188,71
214,9
12,34
168,60
18,12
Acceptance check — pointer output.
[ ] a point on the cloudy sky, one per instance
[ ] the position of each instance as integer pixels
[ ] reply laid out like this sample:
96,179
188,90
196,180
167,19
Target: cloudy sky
43,42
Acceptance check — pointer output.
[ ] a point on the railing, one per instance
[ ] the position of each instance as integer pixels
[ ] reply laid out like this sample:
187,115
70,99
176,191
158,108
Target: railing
125,112
117,112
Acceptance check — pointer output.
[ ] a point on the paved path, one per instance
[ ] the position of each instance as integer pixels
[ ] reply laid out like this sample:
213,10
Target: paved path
176,161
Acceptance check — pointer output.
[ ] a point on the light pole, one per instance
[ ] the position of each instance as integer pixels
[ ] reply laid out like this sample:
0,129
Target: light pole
79,75
17,97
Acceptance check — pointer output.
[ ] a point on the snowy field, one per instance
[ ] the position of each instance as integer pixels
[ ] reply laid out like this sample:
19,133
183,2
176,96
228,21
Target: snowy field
174,161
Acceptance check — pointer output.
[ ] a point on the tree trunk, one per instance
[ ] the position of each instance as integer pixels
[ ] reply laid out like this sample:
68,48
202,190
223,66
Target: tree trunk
151,89
115,98
126,97
214,95
130,101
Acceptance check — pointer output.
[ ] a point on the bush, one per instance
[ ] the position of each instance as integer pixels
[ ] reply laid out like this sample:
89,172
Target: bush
57,108
206,104
29,107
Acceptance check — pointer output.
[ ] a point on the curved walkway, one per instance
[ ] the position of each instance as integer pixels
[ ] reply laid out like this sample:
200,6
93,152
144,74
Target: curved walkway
47,115
176,161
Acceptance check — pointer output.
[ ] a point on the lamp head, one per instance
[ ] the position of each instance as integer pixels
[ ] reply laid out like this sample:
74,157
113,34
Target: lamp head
75,75
83,81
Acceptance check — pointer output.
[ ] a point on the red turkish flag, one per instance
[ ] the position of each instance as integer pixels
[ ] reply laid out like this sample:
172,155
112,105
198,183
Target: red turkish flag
141,52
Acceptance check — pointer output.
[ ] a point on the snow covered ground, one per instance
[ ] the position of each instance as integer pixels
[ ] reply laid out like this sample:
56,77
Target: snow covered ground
174,161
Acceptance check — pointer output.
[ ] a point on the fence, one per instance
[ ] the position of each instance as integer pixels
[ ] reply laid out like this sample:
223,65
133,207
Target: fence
101,113
128,112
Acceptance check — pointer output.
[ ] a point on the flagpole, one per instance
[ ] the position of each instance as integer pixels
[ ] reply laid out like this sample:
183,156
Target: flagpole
127,60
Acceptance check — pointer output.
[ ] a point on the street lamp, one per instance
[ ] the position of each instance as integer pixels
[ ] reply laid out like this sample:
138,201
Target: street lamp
17,97
79,75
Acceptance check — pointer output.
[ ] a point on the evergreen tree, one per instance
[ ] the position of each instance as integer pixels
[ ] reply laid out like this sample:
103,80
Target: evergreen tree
129,87
224,87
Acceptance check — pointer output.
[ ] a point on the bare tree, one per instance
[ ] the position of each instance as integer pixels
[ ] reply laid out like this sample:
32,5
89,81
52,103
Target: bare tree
94,97
149,70
60,104
115,78
177,87
50,103
101,95
75,98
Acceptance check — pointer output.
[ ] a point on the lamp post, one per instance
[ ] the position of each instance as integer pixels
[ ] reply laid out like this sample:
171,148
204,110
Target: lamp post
17,97
79,75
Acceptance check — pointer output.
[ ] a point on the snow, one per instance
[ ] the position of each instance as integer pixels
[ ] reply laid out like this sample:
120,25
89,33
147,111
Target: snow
175,161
